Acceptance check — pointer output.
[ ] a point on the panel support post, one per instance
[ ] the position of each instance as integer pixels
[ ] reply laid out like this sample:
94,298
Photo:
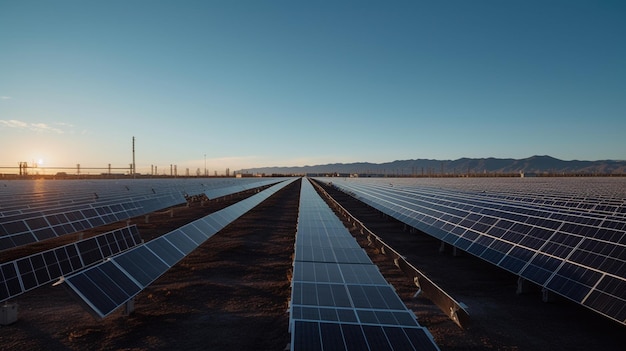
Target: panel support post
523,286
442,247
547,295
455,251
416,281
129,307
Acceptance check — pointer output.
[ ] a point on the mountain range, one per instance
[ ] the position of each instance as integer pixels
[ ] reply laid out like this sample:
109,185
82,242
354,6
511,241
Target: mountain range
462,166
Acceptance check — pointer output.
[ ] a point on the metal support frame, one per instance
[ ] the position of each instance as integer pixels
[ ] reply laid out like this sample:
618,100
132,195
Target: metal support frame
129,307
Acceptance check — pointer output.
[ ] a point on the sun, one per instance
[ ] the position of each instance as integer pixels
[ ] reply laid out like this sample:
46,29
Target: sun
40,162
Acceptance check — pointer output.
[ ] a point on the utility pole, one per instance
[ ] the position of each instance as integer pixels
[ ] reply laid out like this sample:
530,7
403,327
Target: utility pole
134,169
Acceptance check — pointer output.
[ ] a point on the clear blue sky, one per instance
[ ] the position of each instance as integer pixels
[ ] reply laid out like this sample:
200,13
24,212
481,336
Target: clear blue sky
293,83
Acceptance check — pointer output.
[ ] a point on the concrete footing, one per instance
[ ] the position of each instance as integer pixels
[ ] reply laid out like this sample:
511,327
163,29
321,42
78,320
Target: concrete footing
8,313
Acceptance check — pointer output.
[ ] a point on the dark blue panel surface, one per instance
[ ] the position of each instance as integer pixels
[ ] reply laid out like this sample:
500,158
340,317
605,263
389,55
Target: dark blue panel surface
166,251
181,241
142,265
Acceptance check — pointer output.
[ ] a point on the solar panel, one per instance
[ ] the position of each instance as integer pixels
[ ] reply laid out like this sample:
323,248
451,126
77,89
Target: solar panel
142,265
339,298
165,250
331,254
566,236
30,272
104,287
314,335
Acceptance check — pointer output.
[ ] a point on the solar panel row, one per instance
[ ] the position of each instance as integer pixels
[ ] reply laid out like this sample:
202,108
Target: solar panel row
581,256
27,273
236,187
16,231
25,197
107,286
30,198
340,300
600,195
28,218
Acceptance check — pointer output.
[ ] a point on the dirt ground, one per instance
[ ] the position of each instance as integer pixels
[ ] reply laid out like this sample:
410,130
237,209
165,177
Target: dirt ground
232,293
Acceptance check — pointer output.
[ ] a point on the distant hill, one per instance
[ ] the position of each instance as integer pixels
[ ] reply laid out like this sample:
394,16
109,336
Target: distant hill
534,164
